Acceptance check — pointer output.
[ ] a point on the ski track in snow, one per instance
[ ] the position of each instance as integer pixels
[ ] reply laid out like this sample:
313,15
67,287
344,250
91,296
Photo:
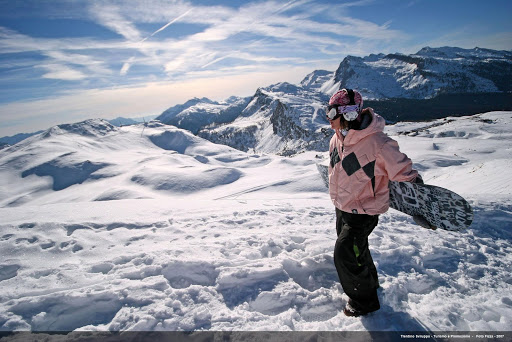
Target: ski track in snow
256,253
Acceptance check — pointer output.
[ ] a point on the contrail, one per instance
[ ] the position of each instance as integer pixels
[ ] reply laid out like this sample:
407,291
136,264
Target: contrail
167,25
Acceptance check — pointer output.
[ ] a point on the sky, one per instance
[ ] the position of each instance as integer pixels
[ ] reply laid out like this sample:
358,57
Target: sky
69,60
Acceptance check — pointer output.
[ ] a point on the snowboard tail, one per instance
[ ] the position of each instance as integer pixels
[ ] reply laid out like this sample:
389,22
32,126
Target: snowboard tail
440,207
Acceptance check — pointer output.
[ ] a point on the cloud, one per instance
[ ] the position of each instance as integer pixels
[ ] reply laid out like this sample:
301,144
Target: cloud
267,33
15,42
295,34
92,65
126,66
412,3
61,72
110,17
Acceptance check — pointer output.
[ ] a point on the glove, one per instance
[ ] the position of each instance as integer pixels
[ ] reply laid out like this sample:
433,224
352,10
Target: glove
420,220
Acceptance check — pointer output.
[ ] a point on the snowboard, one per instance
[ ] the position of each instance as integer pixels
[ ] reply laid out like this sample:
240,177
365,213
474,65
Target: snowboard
441,207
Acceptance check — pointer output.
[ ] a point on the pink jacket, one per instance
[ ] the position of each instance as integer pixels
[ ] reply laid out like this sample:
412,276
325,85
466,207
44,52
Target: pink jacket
361,166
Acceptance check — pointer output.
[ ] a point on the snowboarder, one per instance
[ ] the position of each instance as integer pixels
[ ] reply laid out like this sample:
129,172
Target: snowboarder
363,159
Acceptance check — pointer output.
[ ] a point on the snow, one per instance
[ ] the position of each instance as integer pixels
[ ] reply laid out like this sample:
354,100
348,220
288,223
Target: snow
424,75
197,113
152,228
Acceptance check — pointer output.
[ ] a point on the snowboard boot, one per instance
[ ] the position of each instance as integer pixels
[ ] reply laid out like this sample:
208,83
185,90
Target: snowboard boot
351,311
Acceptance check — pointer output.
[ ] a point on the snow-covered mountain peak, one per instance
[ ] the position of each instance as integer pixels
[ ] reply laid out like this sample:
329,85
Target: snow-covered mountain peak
283,88
90,127
170,113
428,73
316,79
282,118
460,53
197,113
233,99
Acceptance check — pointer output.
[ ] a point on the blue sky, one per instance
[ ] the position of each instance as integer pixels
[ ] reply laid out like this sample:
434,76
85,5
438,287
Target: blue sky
65,61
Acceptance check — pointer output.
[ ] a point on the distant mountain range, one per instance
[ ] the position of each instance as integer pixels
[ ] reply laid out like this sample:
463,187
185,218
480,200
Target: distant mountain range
285,118
119,122
427,74
197,113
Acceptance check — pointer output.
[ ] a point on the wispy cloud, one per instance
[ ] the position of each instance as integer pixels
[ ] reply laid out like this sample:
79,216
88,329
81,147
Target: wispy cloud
296,34
225,33
92,65
61,72
412,3
110,17
172,43
126,66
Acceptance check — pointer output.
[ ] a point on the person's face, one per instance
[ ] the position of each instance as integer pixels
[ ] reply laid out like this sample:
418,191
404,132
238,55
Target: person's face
336,124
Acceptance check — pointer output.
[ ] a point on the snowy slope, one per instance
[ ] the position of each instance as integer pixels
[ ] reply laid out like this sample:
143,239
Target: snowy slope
197,113
133,228
316,80
96,161
283,119
429,72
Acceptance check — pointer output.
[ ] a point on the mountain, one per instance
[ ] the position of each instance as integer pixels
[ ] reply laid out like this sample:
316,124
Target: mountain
120,121
197,113
113,163
286,119
282,119
11,140
430,84
427,73
318,80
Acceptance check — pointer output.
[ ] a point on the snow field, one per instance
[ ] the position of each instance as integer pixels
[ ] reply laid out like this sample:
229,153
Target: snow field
136,245
246,266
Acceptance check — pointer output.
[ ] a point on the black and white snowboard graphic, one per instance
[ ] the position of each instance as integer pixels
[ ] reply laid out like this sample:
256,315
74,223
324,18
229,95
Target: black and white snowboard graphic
440,207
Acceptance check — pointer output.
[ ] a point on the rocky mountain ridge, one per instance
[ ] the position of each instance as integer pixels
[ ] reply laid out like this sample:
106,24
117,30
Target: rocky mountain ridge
427,73
286,119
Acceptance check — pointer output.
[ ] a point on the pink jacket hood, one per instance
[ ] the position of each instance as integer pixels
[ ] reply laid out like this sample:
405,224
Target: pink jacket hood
361,166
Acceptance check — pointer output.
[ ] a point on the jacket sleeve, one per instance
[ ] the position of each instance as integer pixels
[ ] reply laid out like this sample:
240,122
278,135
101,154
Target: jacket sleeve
397,165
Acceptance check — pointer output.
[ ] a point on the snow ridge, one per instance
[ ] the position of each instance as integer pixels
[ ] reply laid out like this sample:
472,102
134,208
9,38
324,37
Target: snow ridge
428,73
197,113
282,119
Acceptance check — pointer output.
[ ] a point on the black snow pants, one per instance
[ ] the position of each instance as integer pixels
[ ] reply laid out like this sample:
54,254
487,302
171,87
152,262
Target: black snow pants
353,261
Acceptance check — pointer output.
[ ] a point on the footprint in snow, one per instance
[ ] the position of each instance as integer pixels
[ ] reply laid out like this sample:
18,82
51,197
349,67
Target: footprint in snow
6,237
8,271
182,274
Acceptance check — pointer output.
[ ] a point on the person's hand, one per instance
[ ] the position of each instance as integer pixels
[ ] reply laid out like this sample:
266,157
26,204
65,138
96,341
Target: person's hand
421,221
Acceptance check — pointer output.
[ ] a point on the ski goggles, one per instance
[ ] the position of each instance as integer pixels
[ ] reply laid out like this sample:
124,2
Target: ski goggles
350,112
